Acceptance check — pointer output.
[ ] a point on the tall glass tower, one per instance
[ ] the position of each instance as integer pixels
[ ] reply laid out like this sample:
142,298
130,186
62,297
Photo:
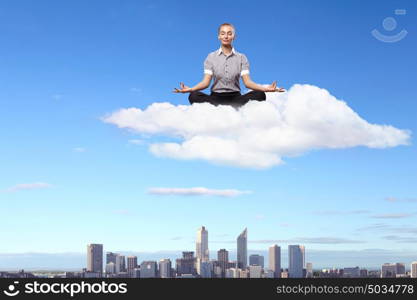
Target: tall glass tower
242,249
296,258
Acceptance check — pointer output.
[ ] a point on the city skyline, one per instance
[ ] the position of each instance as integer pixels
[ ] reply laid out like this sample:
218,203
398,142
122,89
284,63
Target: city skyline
114,262
190,266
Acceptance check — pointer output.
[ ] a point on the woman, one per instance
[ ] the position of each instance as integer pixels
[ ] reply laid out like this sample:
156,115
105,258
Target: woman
226,66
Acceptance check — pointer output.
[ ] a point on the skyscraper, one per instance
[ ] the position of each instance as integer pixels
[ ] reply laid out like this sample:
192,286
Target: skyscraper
148,269
242,249
132,264
95,258
165,268
296,258
122,263
202,251
223,260
186,264
275,260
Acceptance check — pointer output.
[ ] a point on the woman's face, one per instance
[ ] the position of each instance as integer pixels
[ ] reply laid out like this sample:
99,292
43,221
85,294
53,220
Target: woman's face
226,35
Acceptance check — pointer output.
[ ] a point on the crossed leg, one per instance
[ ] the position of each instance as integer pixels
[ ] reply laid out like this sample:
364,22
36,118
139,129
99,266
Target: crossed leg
236,101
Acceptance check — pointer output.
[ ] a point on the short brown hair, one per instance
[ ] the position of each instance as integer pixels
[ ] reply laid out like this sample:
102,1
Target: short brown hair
226,24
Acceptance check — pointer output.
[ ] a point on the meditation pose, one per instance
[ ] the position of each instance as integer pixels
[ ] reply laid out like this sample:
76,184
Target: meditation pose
226,66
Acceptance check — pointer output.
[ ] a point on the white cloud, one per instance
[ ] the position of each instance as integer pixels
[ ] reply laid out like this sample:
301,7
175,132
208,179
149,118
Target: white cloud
28,186
259,134
196,191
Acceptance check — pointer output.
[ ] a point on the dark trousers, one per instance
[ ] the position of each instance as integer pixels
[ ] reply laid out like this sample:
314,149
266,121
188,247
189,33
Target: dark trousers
234,99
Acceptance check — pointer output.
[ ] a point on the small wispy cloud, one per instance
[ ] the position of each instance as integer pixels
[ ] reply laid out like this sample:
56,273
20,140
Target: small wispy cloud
400,239
394,199
382,227
301,240
393,216
259,217
405,229
28,186
135,90
79,149
176,238
316,240
373,227
196,191
340,212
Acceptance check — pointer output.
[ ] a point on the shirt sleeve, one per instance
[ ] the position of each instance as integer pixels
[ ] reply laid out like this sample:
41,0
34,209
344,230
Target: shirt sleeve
208,66
244,66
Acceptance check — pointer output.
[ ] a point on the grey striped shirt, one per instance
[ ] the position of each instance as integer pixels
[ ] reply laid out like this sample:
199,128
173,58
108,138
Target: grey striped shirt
226,70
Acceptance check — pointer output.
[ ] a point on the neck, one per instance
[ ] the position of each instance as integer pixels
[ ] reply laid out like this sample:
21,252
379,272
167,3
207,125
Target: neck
227,49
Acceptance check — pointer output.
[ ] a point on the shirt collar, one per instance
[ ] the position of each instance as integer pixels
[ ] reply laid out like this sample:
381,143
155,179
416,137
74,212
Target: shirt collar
220,51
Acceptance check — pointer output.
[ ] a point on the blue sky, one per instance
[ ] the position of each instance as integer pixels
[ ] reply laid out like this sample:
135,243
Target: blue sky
64,65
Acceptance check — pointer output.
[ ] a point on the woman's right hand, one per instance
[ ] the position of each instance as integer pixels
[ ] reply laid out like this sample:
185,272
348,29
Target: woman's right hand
183,89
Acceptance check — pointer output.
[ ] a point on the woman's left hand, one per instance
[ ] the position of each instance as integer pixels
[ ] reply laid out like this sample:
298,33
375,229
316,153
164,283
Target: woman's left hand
273,88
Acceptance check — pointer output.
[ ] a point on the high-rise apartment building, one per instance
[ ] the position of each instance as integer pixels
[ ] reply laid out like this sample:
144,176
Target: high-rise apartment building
132,264
274,260
165,268
223,260
95,258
